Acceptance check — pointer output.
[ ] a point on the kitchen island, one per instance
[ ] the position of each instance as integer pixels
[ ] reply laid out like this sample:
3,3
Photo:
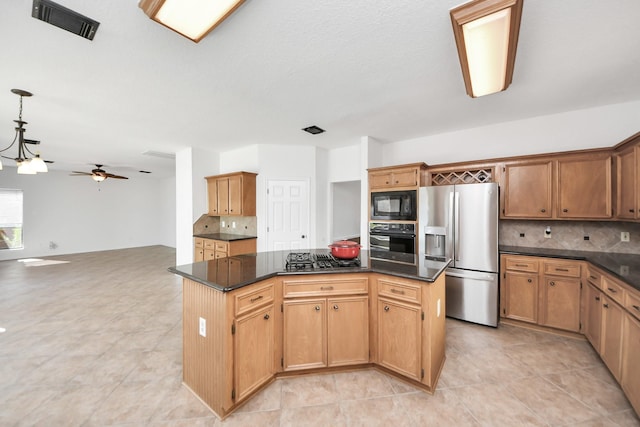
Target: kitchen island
248,319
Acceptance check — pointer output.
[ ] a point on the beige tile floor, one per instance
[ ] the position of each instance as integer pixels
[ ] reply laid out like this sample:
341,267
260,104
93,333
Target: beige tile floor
97,342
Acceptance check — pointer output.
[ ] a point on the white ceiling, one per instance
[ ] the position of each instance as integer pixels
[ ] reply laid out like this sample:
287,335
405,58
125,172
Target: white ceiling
384,68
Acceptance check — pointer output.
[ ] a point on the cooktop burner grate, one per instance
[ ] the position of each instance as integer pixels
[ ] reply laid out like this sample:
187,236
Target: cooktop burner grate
308,261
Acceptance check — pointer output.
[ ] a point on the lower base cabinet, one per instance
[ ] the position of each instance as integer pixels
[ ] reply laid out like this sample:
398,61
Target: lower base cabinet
593,316
560,306
399,340
630,365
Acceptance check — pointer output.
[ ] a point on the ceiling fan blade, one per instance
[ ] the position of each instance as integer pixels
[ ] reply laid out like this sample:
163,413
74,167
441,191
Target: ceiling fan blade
76,173
110,175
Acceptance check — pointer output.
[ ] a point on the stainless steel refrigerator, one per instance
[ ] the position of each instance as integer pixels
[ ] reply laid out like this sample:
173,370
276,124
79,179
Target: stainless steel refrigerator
460,222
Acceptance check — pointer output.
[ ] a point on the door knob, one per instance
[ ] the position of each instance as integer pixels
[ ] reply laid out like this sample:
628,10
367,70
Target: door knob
303,236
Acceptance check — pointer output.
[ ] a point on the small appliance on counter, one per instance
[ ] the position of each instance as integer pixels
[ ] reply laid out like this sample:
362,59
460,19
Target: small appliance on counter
460,222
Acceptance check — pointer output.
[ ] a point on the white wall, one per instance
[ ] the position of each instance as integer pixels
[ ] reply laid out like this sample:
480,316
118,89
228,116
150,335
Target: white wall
346,215
574,130
80,215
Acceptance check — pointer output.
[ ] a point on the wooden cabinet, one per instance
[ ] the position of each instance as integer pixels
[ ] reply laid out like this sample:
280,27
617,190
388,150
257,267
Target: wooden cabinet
528,189
411,175
628,183
630,367
519,294
208,249
326,322
232,194
404,341
592,326
611,342
554,187
547,296
578,177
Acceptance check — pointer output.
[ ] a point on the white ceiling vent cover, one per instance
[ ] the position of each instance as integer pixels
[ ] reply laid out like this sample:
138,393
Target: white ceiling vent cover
67,19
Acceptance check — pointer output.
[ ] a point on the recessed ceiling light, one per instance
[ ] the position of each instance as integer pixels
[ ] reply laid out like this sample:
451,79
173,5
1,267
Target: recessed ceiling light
313,130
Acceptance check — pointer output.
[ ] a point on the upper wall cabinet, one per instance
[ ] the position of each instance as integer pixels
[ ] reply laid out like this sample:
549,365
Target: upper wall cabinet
573,186
627,162
232,194
528,189
411,175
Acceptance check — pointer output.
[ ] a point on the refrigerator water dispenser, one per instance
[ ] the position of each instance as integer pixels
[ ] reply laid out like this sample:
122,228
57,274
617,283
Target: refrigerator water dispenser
435,242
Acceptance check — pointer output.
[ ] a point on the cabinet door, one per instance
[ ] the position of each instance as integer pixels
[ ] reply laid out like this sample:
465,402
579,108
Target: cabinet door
521,296
593,318
223,196
584,188
627,182
612,316
212,196
209,254
528,190
380,180
561,303
253,351
305,334
405,178
399,340
348,331
630,365
235,195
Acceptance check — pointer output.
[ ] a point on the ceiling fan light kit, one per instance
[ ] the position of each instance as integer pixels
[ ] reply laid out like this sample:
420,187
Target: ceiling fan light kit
486,34
192,19
26,165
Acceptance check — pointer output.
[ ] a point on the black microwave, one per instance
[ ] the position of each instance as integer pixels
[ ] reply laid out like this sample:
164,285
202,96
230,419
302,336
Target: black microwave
394,205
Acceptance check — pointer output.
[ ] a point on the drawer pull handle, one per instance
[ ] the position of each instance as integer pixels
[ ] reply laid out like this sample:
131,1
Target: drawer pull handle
597,298
266,316
521,265
317,308
636,307
565,210
259,297
397,291
552,283
562,269
529,280
326,288
335,306
631,210
593,277
386,308
613,291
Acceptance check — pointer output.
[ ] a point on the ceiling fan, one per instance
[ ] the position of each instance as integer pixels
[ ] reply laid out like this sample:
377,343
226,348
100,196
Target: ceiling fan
98,174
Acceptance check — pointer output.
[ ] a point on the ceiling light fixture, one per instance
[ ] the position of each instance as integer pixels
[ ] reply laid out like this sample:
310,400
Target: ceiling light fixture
26,165
486,33
193,19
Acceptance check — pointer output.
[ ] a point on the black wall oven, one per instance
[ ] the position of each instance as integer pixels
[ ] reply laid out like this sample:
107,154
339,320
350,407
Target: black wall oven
394,205
392,242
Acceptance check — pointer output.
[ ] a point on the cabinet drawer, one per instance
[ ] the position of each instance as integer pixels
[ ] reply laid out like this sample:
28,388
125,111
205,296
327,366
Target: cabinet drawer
310,287
221,246
516,263
400,291
198,242
567,269
633,304
594,277
256,297
209,244
613,290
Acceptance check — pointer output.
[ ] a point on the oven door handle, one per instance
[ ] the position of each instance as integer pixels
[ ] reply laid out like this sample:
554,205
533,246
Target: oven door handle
387,236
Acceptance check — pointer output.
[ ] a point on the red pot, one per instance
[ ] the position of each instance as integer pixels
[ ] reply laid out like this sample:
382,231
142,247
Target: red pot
345,249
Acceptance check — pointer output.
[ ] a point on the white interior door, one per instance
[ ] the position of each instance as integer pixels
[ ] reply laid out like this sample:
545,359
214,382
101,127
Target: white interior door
287,215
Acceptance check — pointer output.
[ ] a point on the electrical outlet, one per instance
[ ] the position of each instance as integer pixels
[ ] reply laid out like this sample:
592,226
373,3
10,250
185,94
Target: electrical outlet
222,224
203,327
624,236
233,224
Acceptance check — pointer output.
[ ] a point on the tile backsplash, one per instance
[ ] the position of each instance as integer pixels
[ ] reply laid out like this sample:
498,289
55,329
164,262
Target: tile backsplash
244,225
602,236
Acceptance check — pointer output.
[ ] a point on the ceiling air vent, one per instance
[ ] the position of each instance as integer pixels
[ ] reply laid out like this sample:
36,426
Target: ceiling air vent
313,130
67,19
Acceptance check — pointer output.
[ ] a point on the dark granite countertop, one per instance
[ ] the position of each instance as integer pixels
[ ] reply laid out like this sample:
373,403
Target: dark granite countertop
227,237
625,267
222,275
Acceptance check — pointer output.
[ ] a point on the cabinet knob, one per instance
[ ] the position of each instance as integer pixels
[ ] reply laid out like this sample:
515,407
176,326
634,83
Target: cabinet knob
552,283
543,210
386,308
605,305
266,316
335,306
317,308
565,210
529,280
597,298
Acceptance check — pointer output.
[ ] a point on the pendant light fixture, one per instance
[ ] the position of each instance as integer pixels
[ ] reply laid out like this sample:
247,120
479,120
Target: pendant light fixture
193,19
486,33
26,165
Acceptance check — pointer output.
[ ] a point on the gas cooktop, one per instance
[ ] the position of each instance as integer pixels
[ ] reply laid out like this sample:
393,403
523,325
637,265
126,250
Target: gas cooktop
301,261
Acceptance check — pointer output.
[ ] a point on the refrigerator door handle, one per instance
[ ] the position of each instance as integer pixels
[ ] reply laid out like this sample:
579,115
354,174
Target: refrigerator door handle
456,231
449,247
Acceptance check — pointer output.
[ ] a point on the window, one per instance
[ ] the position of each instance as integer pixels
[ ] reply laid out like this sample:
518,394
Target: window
10,219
